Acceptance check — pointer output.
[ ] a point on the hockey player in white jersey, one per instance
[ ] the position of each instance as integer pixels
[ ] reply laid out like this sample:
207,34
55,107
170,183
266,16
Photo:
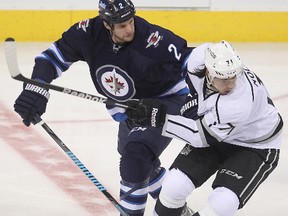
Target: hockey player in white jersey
236,134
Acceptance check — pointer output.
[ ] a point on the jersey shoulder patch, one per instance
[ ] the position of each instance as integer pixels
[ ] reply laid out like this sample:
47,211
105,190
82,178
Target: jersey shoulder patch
154,39
83,25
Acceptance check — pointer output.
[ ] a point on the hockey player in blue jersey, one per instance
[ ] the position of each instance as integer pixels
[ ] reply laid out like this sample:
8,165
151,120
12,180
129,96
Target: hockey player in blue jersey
128,58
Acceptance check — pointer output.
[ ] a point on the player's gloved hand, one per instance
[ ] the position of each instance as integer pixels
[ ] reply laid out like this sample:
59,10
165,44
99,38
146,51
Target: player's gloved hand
190,107
147,112
32,100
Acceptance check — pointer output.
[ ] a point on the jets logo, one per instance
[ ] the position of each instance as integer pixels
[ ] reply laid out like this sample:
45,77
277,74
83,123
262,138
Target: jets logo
115,82
83,25
153,39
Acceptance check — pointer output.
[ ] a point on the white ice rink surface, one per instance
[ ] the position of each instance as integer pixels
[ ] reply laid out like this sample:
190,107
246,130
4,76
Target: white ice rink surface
38,179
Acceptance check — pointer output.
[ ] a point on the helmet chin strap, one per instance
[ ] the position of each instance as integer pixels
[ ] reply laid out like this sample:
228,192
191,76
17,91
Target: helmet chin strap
116,47
209,82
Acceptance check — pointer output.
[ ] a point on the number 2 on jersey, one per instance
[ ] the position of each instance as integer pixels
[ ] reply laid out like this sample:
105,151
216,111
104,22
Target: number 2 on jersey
172,48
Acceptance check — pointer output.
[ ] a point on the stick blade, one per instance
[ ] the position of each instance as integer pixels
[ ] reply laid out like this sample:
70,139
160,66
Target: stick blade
11,56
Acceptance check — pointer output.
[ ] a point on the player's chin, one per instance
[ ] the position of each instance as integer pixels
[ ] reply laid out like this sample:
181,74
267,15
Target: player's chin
224,92
129,38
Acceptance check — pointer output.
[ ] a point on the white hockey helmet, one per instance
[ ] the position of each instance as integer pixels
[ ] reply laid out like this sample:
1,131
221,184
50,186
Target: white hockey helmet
222,61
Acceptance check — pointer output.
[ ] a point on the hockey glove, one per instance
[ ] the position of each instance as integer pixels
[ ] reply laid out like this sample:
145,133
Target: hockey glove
32,100
147,112
190,107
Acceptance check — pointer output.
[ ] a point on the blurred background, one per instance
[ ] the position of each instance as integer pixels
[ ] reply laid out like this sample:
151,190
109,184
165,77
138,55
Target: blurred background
38,179
195,20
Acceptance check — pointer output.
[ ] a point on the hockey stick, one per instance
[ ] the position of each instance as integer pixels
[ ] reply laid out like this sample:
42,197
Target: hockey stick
11,58
80,165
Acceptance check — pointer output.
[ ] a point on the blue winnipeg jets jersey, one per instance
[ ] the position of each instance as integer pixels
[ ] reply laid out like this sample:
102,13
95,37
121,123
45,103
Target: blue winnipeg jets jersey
152,65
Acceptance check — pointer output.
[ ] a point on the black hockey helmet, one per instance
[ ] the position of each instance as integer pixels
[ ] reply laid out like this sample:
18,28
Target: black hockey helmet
116,11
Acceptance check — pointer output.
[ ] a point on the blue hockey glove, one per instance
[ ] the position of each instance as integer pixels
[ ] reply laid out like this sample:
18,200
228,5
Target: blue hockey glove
32,100
147,112
190,107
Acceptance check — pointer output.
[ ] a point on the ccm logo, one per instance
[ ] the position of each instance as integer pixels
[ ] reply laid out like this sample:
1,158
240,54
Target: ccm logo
231,173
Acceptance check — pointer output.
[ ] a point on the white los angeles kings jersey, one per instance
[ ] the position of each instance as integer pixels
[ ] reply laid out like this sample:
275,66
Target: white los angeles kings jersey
245,117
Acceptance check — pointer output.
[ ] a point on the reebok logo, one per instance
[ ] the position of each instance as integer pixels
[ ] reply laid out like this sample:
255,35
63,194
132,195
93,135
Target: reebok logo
84,95
153,117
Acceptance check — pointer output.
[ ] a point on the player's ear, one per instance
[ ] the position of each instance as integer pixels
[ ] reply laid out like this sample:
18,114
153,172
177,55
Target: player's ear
107,26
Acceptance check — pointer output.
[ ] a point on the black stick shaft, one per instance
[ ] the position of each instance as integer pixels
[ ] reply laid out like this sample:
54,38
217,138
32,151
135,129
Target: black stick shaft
80,165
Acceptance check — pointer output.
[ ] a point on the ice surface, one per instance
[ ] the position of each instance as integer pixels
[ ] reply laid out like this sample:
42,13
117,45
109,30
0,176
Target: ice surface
38,179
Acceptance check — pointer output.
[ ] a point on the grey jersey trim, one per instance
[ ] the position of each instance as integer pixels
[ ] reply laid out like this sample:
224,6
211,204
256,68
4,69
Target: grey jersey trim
201,133
204,124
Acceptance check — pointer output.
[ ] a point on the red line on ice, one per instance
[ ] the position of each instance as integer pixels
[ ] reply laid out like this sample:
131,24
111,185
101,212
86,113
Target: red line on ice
47,157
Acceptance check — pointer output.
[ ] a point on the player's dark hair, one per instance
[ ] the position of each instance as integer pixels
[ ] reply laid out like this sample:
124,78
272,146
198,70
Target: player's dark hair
199,72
